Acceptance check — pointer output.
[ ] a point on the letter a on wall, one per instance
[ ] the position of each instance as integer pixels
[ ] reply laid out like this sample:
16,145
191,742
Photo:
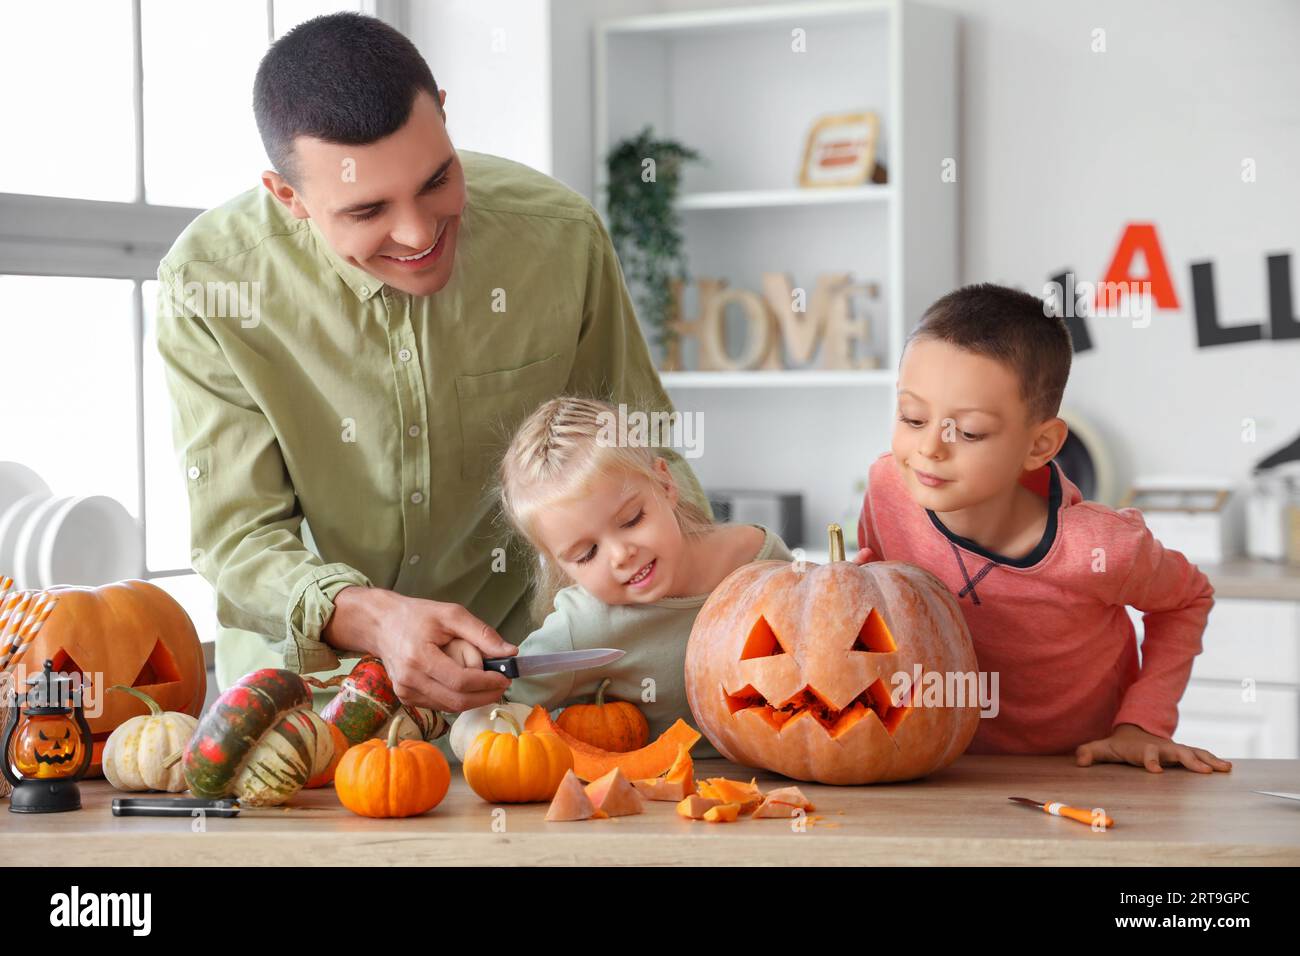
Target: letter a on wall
1139,237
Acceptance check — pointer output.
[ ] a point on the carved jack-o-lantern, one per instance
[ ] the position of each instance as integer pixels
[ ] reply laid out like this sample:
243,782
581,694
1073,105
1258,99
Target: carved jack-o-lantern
793,669
131,633
48,746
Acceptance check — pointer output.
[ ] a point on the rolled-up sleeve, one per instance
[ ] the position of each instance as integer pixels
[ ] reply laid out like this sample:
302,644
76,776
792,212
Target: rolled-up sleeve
244,515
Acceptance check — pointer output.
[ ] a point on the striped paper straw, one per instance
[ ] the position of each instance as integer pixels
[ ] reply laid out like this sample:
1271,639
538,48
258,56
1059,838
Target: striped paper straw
31,627
11,615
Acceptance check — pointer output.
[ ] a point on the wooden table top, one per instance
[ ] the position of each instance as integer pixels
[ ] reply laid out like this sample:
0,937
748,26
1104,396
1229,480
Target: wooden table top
960,816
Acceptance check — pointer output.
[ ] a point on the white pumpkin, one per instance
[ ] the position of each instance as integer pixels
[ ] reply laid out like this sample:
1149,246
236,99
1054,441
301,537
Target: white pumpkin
471,723
135,752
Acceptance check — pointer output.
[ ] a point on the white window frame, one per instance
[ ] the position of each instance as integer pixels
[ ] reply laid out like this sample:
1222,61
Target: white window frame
56,236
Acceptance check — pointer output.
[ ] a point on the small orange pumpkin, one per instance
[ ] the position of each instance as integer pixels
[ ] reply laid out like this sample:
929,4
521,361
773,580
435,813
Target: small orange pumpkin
392,778
614,725
518,766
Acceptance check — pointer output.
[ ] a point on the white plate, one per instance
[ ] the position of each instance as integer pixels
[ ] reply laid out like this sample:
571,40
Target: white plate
28,545
11,523
18,481
91,541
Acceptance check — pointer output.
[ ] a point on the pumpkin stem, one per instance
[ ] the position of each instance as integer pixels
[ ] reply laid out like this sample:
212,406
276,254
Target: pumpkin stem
837,541
393,727
600,692
171,759
504,714
154,709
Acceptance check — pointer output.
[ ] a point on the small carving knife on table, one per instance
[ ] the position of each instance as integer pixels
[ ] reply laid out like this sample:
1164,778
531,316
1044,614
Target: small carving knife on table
1061,810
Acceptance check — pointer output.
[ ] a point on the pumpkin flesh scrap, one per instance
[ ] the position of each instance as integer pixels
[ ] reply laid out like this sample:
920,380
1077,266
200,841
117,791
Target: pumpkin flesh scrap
592,763
570,802
675,785
695,806
614,795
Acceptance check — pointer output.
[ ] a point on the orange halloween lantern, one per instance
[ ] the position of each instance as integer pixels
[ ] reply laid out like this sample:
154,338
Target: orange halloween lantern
131,633
809,670
45,744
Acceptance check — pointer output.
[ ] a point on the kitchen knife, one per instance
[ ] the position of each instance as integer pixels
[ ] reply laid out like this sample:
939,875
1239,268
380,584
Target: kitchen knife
1061,810
526,665
191,806
1278,793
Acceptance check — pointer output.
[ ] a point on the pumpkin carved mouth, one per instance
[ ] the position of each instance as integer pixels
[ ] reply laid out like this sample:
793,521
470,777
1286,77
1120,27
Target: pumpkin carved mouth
873,638
808,703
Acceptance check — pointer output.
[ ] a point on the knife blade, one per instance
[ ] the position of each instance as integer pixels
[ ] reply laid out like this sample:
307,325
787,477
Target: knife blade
194,806
1278,793
525,665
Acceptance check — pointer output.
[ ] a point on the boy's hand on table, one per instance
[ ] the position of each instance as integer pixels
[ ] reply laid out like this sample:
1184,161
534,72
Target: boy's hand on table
1129,743
864,556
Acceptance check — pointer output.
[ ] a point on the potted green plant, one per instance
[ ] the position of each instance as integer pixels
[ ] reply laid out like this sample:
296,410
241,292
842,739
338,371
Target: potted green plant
644,178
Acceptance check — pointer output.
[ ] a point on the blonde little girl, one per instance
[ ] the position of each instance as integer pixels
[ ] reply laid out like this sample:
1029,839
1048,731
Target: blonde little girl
624,561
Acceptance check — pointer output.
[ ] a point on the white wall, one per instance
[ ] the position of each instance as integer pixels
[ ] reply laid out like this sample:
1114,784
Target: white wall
494,60
1060,147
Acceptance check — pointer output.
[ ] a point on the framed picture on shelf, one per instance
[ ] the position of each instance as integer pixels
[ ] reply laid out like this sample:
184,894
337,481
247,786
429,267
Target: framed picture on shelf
841,150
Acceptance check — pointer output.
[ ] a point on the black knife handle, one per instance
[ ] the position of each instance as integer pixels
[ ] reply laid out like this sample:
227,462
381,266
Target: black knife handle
502,665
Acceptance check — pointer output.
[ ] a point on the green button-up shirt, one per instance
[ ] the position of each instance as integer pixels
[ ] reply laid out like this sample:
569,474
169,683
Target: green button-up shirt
335,431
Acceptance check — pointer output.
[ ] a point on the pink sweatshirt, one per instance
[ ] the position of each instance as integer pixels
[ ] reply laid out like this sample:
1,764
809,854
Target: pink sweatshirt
1053,624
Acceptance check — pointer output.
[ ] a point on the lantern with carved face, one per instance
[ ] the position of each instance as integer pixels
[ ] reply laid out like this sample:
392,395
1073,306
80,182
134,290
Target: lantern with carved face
810,671
130,633
48,747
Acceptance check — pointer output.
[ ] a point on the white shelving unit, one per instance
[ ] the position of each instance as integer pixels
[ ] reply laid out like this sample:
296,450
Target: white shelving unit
730,84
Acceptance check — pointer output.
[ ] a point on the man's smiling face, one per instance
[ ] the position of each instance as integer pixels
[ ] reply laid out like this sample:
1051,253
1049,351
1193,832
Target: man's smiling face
391,207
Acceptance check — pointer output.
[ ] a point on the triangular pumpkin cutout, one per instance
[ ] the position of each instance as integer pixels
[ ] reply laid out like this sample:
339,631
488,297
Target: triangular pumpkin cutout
676,785
570,801
615,795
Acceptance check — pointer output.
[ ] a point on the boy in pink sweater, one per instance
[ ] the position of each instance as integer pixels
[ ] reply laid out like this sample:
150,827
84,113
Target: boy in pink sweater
971,494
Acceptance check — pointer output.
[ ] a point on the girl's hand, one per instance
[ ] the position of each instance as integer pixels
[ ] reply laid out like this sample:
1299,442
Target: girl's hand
1129,743
864,556
463,653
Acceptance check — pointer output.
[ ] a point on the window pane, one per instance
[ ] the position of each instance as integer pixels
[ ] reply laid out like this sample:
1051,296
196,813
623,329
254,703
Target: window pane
167,509
195,595
290,13
66,75
69,379
201,144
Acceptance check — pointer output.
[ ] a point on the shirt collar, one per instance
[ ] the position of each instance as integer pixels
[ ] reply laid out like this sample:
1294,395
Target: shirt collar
361,282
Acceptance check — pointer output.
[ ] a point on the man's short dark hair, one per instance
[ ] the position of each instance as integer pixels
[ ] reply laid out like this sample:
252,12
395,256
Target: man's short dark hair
342,78
1011,327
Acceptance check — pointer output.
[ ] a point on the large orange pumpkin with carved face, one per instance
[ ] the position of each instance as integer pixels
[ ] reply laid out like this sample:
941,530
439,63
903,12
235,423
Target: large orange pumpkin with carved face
792,668
131,633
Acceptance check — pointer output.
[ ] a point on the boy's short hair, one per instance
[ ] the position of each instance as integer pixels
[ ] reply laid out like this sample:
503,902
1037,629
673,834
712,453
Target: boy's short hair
1012,327
343,78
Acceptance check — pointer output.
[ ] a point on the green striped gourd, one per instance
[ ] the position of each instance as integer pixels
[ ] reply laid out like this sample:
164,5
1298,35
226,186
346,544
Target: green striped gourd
260,741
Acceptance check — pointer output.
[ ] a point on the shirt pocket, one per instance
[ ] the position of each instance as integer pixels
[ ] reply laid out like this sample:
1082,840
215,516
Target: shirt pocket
493,404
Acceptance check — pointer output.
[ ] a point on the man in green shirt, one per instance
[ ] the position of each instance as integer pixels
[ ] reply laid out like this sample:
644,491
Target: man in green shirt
348,351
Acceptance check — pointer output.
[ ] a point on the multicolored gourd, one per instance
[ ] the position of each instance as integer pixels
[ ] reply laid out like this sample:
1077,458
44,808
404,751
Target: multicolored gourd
366,705
613,725
259,741
136,751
